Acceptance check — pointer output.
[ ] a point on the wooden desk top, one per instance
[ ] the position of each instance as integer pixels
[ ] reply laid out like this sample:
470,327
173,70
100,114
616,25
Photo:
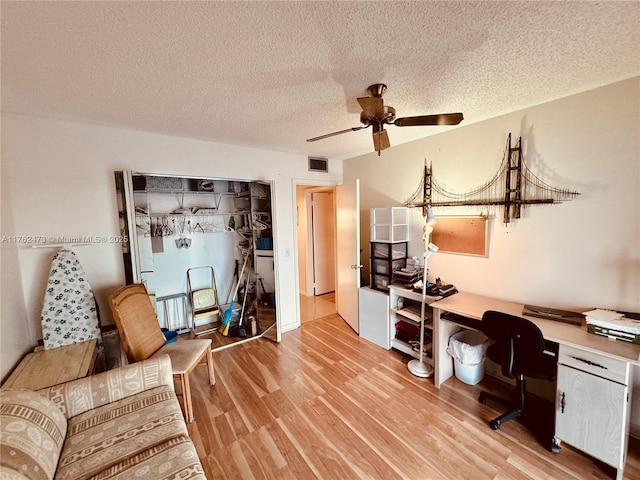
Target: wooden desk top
50,367
474,306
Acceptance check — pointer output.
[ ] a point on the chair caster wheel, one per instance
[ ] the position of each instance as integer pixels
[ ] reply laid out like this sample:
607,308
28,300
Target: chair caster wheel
495,425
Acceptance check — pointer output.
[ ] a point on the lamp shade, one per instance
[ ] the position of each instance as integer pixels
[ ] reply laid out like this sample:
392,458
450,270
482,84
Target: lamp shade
430,219
431,249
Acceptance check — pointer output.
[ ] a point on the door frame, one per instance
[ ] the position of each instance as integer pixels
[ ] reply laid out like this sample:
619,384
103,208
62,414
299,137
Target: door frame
299,182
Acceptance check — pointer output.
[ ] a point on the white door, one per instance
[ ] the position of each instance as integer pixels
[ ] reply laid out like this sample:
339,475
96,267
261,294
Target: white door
323,221
348,252
127,214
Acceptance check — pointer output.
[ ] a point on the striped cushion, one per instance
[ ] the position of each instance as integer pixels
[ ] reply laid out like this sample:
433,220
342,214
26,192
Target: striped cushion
174,459
102,438
83,394
32,432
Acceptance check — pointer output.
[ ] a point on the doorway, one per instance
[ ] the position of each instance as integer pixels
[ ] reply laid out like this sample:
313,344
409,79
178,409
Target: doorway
316,251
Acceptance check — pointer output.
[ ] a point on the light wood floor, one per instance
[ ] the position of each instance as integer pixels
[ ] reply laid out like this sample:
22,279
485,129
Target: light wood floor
316,306
326,404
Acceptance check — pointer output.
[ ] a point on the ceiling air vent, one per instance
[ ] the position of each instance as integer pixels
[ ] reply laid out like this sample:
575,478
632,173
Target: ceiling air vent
317,164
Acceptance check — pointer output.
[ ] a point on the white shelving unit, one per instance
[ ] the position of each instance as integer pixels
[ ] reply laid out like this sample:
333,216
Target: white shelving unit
390,224
405,306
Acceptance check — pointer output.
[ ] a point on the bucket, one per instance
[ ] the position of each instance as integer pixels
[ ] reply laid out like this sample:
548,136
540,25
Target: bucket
170,336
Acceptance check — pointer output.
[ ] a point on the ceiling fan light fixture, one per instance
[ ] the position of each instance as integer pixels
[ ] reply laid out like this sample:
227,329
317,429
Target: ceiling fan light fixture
381,140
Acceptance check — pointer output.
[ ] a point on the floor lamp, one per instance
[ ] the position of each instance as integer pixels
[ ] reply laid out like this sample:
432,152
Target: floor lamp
417,366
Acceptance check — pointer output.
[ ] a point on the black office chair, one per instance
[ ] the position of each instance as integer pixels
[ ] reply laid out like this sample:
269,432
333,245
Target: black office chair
519,349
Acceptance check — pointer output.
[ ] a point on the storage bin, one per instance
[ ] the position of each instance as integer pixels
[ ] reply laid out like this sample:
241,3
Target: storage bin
385,259
380,282
264,243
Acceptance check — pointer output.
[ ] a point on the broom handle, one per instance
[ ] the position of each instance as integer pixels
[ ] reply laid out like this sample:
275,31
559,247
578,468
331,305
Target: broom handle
246,257
244,300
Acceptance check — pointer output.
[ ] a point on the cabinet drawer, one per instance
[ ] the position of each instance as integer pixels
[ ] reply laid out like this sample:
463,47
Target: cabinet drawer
380,282
391,251
600,365
382,266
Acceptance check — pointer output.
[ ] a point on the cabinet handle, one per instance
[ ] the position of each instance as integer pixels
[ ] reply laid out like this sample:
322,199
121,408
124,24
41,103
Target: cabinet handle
356,267
562,403
589,362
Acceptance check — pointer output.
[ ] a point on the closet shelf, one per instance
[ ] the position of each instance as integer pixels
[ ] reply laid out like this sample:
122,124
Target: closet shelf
244,194
185,215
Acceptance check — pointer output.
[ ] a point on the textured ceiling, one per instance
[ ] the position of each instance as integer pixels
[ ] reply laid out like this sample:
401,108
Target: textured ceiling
272,74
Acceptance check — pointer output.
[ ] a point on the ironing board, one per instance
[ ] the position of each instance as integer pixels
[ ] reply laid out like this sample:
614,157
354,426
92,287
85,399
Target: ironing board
69,310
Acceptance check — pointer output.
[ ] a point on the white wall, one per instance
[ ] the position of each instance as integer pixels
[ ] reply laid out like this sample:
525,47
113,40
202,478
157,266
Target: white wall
15,335
58,181
581,254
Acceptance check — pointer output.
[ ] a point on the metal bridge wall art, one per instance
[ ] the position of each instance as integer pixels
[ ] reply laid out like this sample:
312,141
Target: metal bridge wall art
513,186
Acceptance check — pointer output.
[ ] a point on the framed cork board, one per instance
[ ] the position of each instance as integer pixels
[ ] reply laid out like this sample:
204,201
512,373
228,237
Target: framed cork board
461,234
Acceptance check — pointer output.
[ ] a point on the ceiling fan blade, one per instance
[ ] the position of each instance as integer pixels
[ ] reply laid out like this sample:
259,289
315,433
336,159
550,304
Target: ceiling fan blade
441,119
352,129
380,141
372,107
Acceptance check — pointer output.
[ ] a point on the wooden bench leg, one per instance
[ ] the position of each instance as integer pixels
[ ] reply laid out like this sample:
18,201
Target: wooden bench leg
186,398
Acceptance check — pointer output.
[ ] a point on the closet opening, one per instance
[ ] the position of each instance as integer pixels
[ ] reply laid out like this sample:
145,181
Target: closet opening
203,248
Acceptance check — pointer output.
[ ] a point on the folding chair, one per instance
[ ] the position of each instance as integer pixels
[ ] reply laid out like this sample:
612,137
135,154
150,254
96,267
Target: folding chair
204,299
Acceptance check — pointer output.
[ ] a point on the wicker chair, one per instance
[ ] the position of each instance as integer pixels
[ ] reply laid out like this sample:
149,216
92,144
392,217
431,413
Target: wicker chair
142,338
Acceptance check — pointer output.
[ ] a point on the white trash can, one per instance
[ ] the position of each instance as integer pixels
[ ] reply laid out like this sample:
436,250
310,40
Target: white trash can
468,349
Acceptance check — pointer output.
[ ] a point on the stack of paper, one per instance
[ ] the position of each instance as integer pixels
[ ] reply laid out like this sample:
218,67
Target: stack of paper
613,324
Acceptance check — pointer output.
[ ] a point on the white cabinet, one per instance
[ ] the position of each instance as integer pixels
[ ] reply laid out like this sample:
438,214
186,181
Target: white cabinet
404,322
265,270
593,404
374,316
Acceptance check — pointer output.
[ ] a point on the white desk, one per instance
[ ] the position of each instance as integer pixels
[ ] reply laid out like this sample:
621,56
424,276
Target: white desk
599,422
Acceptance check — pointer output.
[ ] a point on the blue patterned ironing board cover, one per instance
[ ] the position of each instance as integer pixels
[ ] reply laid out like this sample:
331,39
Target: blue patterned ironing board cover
69,311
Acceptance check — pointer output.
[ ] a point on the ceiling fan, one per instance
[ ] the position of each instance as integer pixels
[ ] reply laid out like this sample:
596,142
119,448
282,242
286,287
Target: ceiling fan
376,114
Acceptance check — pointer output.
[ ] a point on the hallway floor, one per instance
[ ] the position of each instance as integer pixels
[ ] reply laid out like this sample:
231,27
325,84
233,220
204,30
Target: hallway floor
318,306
